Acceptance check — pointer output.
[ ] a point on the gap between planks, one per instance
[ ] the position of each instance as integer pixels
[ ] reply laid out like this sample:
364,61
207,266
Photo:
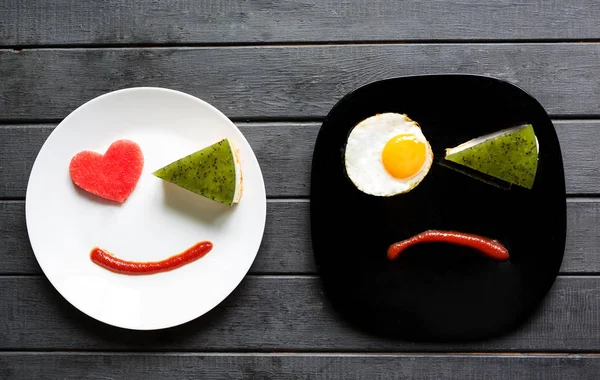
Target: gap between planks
225,45
349,354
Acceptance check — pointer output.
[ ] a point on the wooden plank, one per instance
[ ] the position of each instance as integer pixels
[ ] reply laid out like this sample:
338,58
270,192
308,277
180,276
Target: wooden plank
16,256
31,22
284,152
19,147
283,313
583,237
286,246
297,366
581,155
287,81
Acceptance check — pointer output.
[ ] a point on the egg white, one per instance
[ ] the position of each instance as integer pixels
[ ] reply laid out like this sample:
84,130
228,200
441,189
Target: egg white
364,146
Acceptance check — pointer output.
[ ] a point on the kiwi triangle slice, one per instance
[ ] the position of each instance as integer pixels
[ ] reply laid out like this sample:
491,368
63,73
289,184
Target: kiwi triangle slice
212,172
510,155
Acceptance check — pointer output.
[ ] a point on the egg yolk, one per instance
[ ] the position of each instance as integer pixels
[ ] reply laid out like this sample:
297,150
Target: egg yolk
403,156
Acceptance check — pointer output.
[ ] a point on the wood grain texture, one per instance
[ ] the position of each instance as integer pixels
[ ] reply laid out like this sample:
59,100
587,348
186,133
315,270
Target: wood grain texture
284,152
26,366
287,81
286,245
31,22
16,255
282,313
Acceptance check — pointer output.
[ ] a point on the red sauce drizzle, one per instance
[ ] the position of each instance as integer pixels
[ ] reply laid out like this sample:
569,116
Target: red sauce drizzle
489,247
111,262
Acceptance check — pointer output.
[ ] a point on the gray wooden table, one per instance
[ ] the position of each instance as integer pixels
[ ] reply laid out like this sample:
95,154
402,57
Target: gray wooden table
276,68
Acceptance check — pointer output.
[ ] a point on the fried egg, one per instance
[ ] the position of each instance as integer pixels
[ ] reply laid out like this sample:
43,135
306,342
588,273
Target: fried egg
387,154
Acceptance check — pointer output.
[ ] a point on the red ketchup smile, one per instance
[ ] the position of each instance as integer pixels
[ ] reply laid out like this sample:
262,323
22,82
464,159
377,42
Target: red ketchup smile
489,247
114,264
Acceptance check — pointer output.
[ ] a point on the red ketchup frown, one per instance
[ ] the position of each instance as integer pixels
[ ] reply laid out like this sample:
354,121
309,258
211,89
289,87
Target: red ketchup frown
114,264
489,247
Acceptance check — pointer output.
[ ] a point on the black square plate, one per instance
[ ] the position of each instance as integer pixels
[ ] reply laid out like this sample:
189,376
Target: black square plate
438,291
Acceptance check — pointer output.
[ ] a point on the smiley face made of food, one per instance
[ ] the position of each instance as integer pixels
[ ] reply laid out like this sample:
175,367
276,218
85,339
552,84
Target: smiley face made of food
213,172
387,154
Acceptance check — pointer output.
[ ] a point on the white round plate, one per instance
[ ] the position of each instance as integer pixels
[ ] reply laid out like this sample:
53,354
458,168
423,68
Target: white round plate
158,219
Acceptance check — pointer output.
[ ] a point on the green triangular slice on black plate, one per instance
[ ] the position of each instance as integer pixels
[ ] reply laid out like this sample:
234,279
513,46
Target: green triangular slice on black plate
213,172
510,155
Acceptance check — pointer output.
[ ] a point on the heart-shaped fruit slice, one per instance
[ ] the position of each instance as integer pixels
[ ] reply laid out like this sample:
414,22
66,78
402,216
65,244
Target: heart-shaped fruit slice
112,176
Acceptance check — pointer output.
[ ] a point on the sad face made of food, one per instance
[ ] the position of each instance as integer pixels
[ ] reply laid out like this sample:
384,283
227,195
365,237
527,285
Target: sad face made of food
388,155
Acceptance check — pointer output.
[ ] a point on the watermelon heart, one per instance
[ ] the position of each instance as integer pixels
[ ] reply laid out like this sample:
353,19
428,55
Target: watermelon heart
112,176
